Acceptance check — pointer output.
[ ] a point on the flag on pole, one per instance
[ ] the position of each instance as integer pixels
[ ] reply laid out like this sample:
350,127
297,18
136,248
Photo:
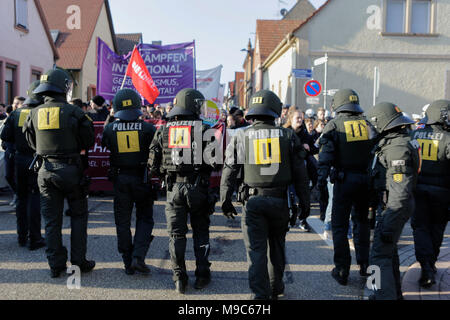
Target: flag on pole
142,80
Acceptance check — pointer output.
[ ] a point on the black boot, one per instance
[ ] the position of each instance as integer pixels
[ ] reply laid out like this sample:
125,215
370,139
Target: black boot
139,265
363,270
85,266
427,277
180,286
340,276
34,245
56,272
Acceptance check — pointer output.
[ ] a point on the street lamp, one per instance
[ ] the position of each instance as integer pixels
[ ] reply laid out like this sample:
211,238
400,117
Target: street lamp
249,82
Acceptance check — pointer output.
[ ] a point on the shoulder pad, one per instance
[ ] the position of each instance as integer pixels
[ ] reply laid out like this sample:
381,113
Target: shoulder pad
330,126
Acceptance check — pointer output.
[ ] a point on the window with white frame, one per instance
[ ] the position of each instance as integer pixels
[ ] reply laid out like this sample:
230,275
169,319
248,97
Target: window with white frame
21,13
409,16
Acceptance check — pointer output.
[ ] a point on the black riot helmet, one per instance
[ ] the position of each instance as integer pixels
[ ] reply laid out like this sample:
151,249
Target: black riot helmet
438,113
127,105
264,103
187,102
55,81
385,116
346,100
33,99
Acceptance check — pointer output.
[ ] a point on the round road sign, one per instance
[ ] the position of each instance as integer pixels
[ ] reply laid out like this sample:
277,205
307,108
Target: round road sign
313,88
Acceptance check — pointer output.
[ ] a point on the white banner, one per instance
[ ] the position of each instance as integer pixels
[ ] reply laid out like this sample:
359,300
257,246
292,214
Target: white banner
208,82
220,95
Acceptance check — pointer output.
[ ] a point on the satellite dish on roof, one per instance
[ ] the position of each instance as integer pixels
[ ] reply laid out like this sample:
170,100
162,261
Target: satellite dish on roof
283,12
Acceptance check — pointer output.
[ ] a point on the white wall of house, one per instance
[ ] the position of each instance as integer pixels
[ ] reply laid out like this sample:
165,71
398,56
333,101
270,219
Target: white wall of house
278,76
28,50
413,68
89,71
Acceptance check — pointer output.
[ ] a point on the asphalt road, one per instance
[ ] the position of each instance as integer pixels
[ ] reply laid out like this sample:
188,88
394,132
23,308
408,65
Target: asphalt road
25,275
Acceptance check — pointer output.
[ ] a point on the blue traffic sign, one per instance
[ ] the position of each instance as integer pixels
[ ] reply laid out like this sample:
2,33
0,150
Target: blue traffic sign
313,88
302,73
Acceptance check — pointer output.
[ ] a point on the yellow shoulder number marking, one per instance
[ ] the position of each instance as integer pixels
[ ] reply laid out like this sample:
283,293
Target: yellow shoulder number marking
48,118
267,151
180,137
356,130
23,116
429,149
128,141
398,177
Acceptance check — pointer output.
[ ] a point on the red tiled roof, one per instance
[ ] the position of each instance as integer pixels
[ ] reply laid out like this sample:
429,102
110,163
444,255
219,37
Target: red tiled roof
270,33
73,44
47,30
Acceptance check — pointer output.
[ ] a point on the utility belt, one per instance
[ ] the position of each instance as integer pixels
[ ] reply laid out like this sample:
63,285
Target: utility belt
195,178
339,174
246,192
67,160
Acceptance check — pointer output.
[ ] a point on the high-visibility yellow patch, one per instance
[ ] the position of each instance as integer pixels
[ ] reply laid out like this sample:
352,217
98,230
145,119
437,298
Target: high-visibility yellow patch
48,118
128,141
90,119
267,151
356,130
353,98
257,100
398,177
429,149
23,116
44,77
127,103
180,137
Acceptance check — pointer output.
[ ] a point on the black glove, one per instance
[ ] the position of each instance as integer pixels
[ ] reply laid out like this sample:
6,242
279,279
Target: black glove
228,209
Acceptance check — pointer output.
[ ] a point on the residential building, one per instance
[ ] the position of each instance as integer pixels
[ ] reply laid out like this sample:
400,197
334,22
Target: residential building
26,49
127,41
76,26
406,43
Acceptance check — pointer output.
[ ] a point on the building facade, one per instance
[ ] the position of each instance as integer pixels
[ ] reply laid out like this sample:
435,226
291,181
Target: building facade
23,31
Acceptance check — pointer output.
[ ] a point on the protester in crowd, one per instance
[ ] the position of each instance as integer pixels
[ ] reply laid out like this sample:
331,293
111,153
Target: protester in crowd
318,129
100,112
239,121
3,114
157,115
321,114
230,121
17,102
145,113
310,114
282,119
169,107
309,125
223,115
77,102
10,152
295,121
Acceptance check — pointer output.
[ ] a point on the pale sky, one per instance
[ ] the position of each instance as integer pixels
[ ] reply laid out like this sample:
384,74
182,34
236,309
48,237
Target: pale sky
220,28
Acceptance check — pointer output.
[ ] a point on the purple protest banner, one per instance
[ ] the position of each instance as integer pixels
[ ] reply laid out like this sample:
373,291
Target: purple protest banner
172,68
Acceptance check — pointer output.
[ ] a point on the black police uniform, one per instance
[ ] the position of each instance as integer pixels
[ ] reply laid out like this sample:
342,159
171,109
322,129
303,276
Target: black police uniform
28,204
270,159
129,142
429,220
175,155
345,146
58,131
394,171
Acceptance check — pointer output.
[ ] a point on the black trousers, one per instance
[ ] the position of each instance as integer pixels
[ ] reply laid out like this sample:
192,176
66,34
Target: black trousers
28,210
183,201
429,221
264,225
351,191
129,190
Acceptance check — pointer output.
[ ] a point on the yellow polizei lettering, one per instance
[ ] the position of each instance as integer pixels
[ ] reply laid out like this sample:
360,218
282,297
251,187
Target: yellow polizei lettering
48,118
23,116
353,98
267,151
128,141
180,137
356,130
429,149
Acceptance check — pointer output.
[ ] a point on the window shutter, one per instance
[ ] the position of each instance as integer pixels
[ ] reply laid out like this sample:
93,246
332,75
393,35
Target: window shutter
22,13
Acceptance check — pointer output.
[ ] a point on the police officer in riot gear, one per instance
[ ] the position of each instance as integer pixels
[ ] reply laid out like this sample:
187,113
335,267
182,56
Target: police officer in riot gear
176,154
394,172
271,160
28,208
345,145
429,220
128,139
57,131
